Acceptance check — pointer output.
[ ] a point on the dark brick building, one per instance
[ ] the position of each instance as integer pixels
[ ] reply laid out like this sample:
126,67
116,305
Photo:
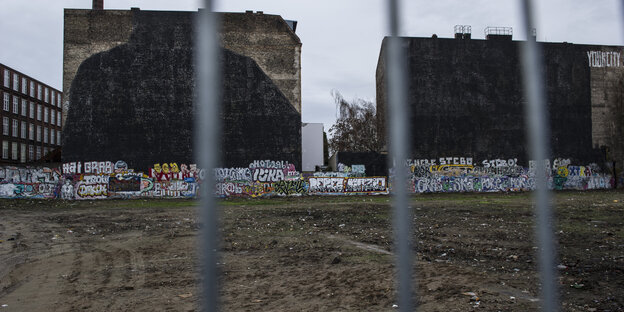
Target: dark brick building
31,117
130,79
466,99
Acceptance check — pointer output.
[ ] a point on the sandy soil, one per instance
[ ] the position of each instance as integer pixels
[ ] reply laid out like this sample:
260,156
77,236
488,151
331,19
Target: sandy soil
307,254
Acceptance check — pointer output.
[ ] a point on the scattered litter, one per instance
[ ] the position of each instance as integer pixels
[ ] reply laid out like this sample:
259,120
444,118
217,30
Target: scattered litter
395,306
469,293
615,200
256,300
562,267
512,298
342,225
189,295
577,285
70,231
513,257
56,236
5,305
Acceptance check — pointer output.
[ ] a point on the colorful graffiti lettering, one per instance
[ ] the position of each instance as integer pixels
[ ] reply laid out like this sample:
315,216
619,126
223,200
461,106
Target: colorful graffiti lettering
105,179
366,185
268,175
290,187
91,191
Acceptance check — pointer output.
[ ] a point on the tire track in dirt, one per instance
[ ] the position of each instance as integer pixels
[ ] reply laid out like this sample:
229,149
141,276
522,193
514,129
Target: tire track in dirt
33,263
104,274
360,245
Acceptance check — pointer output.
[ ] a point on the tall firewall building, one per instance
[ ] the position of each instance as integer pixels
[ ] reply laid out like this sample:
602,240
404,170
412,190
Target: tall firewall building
466,98
129,82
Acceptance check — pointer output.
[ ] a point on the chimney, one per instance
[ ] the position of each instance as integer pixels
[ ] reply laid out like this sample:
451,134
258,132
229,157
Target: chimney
98,5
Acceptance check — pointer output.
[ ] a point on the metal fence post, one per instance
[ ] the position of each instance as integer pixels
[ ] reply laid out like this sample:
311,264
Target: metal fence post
207,129
398,143
536,117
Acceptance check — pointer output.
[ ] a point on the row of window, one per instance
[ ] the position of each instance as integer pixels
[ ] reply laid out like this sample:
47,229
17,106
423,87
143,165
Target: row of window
29,87
18,129
34,152
51,116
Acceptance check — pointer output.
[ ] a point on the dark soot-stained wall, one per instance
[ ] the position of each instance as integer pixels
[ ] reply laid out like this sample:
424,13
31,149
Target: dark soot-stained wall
135,102
466,99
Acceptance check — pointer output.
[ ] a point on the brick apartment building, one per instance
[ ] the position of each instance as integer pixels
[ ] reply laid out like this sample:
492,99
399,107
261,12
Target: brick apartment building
31,117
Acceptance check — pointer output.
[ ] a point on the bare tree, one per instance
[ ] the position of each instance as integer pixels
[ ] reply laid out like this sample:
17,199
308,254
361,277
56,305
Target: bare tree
355,128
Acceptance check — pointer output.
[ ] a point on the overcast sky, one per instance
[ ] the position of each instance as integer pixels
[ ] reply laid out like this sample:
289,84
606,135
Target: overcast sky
341,38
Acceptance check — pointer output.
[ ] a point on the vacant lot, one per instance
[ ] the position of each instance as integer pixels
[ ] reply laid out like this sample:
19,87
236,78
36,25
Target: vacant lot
307,254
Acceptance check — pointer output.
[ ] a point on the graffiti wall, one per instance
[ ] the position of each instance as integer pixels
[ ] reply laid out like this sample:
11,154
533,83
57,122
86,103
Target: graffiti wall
106,179
462,174
29,182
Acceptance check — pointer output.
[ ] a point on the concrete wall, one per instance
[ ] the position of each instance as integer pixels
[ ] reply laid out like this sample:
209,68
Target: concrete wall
466,99
135,102
607,103
312,146
87,32
267,39
375,164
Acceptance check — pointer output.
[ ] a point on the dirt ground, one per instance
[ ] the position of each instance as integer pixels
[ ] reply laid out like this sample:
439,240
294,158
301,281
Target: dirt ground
474,252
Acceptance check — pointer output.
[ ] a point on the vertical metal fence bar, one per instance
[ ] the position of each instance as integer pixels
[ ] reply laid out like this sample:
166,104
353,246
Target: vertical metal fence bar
207,129
398,143
538,134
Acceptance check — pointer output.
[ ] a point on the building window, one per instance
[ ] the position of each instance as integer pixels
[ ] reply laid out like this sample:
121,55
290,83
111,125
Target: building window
52,116
14,150
58,137
23,152
38,156
5,149
52,97
45,135
45,151
5,101
46,113
39,93
58,100
14,128
32,89
15,105
32,110
31,131
31,153
24,86
38,111
7,80
38,133
47,95
15,82
5,126
52,140
24,107
58,119
23,130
